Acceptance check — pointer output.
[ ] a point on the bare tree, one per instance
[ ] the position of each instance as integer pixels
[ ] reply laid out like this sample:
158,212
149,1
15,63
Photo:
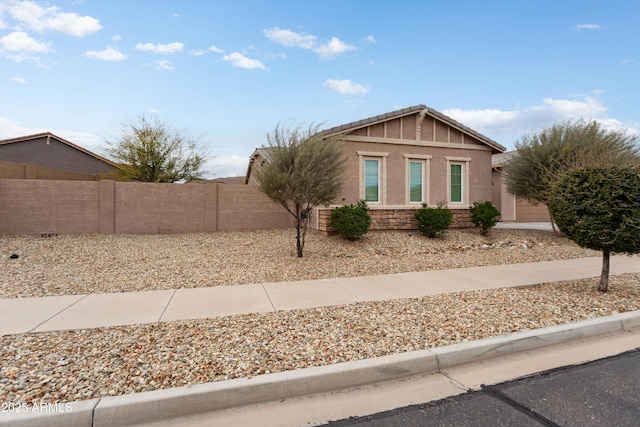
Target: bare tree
149,151
302,170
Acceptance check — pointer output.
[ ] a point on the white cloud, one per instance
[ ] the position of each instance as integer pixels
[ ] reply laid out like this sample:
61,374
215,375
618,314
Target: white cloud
198,52
19,41
370,39
346,87
226,166
109,54
626,61
290,38
512,124
116,37
163,64
216,49
581,27
160,48
333,48
19,80
40,19
239,60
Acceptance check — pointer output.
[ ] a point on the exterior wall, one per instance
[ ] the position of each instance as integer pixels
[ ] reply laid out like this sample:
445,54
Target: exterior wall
40,207
85,207
48,152
392,219
11,170
242,207
149,208
479,173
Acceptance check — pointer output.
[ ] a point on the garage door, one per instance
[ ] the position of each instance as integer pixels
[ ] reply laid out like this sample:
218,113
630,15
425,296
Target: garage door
528,212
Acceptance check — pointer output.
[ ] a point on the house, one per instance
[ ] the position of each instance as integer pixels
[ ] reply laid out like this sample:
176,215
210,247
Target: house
512,208
399,160
49,151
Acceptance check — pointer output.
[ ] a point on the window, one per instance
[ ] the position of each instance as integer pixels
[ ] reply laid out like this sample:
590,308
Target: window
458,180
456,183
373,176
417,167
415,182
371,180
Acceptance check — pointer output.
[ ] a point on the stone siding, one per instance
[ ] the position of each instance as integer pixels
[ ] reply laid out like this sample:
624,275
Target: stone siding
397,218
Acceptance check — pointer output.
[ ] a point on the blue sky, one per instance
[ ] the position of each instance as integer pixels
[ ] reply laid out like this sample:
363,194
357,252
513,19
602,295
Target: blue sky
227,72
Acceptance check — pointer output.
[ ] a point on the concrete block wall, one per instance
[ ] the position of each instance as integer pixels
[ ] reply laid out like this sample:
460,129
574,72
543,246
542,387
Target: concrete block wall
43,207
108,207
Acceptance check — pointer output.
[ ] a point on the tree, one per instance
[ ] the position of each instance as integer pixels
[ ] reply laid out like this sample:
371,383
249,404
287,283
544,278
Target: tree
599,208
149,151
543,158
302,170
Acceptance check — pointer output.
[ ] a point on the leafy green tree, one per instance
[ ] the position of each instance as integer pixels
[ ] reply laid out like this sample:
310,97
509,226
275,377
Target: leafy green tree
543,158
433,222
484,215
599,208
302,170
149,151
351,221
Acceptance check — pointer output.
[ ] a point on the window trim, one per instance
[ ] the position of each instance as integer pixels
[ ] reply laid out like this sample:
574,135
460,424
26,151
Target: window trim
464,162
382,174
425,160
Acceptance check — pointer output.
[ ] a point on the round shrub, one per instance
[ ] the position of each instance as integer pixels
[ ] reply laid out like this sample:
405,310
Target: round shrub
484,214
433,222
351,221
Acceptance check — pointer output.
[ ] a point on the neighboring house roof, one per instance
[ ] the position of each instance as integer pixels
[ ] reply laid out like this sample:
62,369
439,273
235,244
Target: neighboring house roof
423,109
502,159
62,140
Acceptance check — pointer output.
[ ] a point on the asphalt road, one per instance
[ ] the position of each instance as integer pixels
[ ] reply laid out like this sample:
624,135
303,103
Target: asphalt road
604,392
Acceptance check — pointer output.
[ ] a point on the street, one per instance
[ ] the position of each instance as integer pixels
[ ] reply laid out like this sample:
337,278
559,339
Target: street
605,392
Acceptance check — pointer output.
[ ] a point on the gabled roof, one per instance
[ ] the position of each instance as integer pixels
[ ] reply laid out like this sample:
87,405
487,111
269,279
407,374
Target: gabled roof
421,108
62,140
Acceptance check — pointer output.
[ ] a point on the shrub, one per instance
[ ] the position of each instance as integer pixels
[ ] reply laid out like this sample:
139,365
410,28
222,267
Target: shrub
351,221
484,215
433,221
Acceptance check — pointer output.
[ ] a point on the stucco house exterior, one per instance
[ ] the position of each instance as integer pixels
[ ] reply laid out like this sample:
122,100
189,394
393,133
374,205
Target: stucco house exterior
50,151
399,160
512,208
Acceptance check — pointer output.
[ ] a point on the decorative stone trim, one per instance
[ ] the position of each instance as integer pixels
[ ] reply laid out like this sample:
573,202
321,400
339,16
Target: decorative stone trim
396,218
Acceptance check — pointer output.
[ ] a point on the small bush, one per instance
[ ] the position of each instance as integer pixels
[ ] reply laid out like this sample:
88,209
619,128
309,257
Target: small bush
351,221
433,221
484,215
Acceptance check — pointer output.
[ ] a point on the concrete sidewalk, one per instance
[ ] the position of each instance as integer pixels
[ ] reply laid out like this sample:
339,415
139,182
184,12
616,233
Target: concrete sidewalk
25,315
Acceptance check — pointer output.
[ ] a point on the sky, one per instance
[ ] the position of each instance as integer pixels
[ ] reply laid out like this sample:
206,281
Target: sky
227,72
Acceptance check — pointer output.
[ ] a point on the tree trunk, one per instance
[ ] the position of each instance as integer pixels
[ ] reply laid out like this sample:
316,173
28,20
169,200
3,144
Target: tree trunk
604,278
298,240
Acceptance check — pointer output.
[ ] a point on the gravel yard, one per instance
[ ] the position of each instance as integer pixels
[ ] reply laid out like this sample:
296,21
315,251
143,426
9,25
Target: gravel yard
82,364
64,265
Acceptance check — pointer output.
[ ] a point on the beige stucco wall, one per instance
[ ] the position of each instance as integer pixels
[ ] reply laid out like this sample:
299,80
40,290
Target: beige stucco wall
479,173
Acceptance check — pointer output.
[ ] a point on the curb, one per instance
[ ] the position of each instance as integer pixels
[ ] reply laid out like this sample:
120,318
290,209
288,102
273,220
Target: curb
179,402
